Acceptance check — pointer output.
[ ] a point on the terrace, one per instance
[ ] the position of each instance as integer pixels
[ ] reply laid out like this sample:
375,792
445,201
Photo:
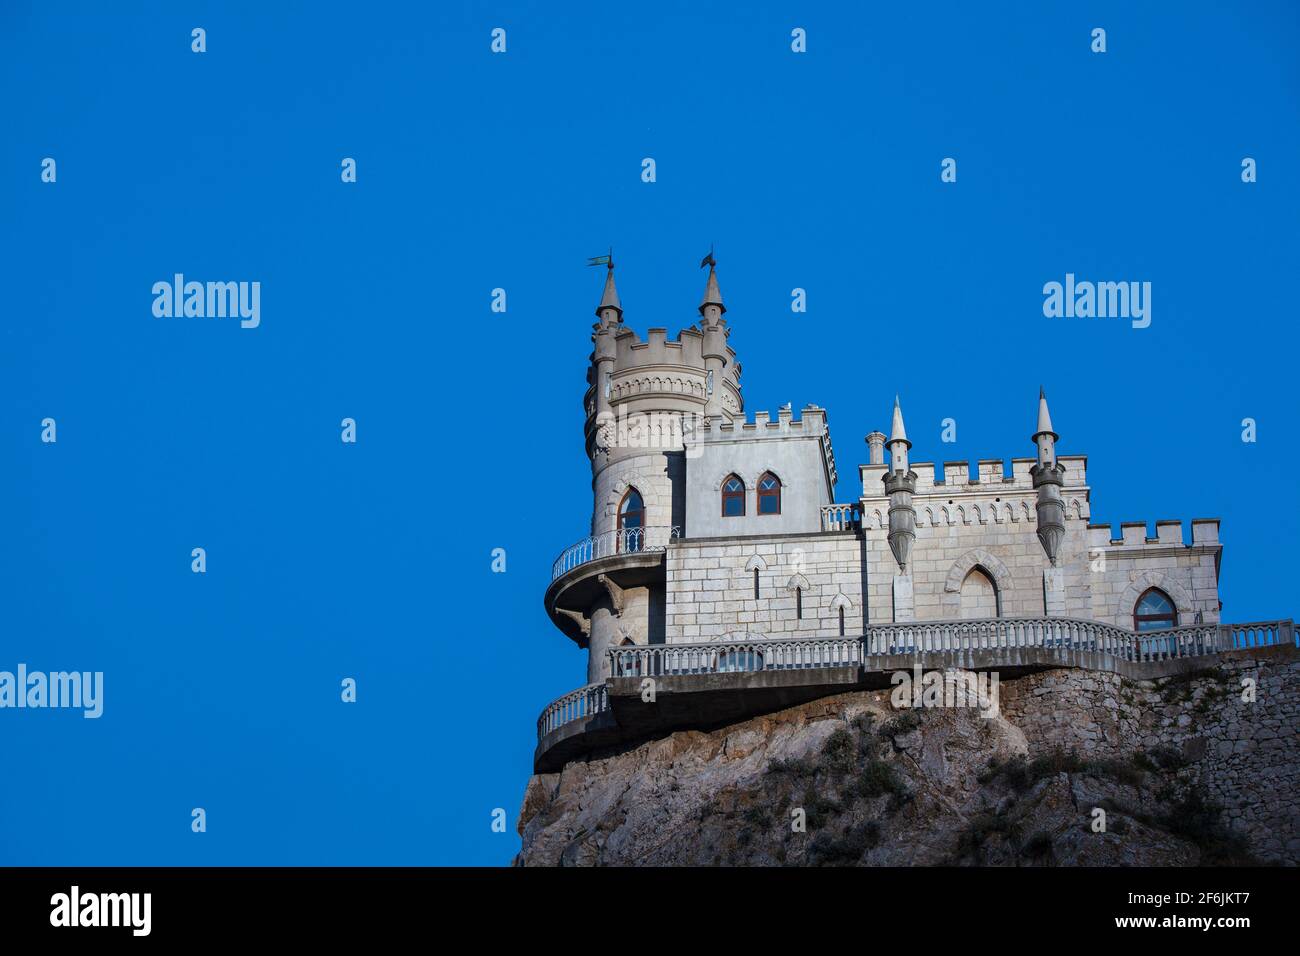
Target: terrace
702,685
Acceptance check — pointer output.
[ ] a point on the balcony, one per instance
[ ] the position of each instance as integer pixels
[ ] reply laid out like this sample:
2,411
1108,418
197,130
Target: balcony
841,517
610,543
732,679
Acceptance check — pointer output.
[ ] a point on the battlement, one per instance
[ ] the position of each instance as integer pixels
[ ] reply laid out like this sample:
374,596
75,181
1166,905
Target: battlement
1133,534
685,351
811,423
990,477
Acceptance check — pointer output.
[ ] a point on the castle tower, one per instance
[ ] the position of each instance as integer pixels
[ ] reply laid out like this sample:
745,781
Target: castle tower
900,485
1048,475
643,398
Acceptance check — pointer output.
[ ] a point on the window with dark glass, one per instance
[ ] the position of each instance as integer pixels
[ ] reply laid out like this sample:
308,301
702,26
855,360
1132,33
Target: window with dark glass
756,584
631,521
769,495
841,622
733,497
798,603
1154,611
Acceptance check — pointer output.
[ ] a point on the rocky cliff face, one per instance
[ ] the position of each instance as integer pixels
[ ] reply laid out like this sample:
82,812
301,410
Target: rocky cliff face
1182,771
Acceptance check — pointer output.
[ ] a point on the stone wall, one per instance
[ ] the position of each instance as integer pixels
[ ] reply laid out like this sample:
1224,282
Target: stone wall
1245,756
711,587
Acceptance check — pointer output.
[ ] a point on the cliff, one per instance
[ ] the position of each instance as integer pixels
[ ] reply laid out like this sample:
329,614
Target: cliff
1183,770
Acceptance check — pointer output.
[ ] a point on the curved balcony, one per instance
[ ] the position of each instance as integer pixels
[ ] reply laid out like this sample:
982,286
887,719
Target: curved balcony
764,669
609,543
576,704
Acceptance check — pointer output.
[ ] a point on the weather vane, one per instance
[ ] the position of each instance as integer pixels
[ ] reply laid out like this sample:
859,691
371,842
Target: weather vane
603,260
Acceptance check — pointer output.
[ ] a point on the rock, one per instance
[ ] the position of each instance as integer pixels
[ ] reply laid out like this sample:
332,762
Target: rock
1018,788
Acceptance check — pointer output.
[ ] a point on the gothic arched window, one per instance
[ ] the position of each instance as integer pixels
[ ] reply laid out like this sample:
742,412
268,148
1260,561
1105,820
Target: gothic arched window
979,595
1154,611
733,497
769,494
631,521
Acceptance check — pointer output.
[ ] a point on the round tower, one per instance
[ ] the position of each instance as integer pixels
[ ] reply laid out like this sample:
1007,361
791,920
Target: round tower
643,399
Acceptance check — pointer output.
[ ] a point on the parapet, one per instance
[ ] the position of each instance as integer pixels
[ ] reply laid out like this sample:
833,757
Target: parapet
1169,532
811,423
687,351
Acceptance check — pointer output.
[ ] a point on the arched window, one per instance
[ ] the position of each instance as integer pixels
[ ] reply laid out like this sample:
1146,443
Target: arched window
979,595
756,584
769,494
733,497
1154,611
798,604
841,620
631,521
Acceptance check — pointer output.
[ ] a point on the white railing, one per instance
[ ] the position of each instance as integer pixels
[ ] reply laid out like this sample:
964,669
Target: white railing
917,639
1262,634
733,656
621,541
841,517
583,702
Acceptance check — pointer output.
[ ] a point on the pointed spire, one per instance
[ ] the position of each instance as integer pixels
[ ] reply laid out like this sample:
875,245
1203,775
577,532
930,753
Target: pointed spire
712,294
896,431
609,300
1044,416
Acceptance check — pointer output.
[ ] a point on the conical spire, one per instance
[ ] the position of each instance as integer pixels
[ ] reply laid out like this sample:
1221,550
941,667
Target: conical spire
896,431
712,294
609,300
1044,416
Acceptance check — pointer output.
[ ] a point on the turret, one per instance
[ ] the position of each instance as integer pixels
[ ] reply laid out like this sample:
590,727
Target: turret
1048,476
714,327
900,485
610,315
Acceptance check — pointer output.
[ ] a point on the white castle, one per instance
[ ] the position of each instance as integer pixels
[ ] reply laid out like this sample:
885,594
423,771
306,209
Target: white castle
720,565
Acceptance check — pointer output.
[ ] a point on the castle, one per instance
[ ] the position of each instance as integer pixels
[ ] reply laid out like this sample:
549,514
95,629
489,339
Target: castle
720,565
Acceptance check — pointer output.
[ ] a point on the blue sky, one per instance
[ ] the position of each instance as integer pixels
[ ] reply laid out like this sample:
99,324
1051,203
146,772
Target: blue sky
478,171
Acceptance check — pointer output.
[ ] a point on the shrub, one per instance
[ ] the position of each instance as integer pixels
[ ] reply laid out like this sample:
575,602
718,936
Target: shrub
793,767
838,752
877,778
827,849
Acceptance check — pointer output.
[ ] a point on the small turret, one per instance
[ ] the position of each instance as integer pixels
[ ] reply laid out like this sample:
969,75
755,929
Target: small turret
610,311
604,351
714,327
1048,476
1044,437
898,443
900,485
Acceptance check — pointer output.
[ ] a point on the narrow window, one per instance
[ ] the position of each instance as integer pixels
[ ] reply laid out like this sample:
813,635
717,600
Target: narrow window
841,622
631,521
609,383
756,584
798,603
733,497
769,494
708,386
